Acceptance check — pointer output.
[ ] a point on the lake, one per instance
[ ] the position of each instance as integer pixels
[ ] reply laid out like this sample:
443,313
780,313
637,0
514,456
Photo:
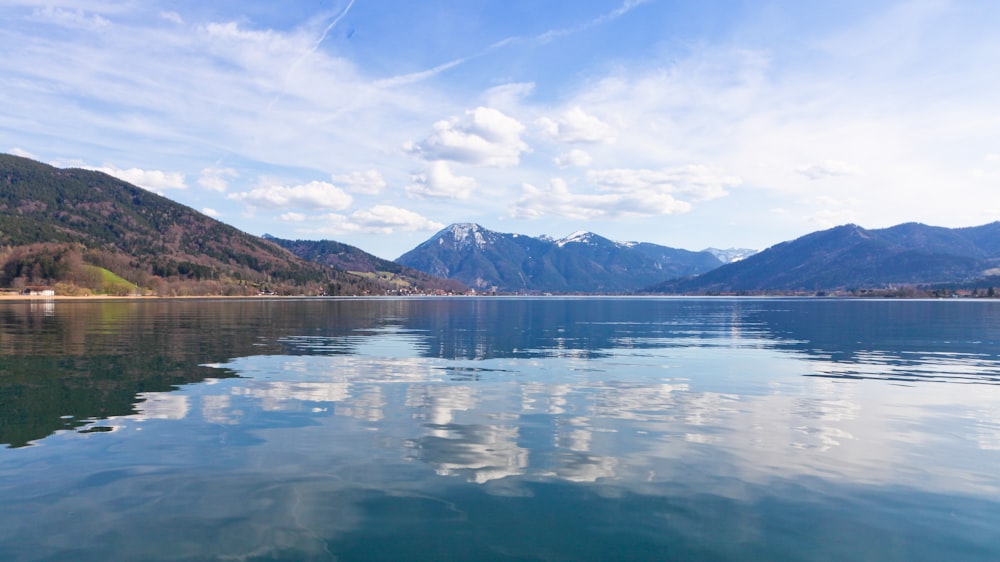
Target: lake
500,429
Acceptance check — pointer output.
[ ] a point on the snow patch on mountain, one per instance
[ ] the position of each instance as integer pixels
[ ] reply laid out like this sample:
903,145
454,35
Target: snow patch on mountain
464,235
580,236
730,255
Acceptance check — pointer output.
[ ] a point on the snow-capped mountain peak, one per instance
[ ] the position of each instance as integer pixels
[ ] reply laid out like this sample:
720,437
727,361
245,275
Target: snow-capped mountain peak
582,261
730,255
580,236
464,235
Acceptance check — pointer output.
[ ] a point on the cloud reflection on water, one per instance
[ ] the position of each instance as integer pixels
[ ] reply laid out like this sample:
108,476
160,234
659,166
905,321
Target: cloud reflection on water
694,418
626,401
523,420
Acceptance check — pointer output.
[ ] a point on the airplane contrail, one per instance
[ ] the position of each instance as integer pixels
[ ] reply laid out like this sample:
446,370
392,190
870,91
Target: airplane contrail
311,51
542,38
333,22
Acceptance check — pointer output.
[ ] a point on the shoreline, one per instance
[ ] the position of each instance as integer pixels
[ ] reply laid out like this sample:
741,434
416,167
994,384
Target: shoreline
15,297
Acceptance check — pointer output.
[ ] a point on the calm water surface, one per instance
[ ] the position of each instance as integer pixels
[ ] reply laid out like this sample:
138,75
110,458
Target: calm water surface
500,429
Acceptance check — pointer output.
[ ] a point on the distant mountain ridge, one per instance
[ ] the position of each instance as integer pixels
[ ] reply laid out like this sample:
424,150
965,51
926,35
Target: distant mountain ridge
354,260
581,262
851,257
729,255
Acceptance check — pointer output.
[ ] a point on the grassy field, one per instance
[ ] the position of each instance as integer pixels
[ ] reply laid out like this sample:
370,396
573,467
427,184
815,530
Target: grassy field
110,283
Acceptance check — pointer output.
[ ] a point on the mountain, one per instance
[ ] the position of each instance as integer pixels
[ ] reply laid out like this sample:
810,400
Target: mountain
850,257
348,258
76,226
581,262
729,255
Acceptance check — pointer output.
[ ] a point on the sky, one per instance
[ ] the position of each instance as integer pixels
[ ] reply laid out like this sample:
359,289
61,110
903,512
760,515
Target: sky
686,123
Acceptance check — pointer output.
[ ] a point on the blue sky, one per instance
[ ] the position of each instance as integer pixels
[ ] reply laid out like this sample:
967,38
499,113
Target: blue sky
378,122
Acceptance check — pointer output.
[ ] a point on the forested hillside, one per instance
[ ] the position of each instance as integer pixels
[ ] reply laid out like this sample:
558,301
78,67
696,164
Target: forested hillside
54,221
399,278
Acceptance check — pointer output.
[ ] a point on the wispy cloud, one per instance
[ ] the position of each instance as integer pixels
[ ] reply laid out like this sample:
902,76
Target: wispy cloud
369,182
575,157
874,104
315,194
540,39
152,180
556,200
693,182
216,179
315,46
625,8
23,153
172,17
379,219
828,169
576,125
77,19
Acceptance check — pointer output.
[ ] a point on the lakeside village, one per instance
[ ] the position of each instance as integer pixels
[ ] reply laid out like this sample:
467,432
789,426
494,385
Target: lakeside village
891,292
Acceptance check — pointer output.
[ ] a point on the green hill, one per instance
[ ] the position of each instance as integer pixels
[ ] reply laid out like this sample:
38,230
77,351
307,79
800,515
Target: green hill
53,221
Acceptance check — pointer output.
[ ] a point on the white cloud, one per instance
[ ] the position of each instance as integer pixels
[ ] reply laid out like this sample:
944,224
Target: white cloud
216,179
75,19
826,211
576,125
152,180
22,153
828,169
173,17
211,212
440,182
693,182
558,201
391,219
508,95
369,182
232,31
293,217
990,171
828,218
484,137
315,194
380,219
910,107
575,157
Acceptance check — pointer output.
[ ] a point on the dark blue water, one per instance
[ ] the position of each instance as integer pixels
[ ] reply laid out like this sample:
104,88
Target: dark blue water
500,429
